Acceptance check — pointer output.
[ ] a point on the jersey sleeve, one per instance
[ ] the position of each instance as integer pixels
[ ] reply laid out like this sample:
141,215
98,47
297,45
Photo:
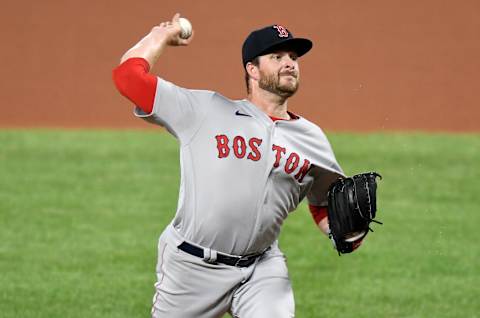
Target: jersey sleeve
317,195
325,170
178,109
181,111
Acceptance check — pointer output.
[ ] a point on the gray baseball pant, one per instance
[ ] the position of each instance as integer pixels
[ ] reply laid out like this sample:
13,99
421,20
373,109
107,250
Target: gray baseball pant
189,287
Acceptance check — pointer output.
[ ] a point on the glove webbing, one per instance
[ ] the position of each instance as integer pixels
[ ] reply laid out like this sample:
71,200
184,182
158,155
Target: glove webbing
371,216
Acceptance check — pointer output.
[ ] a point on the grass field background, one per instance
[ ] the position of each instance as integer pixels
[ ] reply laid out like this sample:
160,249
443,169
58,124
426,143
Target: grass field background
81,211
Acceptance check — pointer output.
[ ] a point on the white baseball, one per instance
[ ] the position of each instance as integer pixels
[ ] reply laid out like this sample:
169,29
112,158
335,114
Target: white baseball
186,27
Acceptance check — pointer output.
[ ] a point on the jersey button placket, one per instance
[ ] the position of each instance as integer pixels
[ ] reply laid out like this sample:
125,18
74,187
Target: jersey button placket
270,160
269,127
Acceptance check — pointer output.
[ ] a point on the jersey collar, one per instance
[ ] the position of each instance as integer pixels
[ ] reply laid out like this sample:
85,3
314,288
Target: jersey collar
261,114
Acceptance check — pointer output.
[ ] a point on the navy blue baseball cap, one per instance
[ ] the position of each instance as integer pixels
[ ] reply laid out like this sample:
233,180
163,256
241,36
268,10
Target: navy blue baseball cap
270,39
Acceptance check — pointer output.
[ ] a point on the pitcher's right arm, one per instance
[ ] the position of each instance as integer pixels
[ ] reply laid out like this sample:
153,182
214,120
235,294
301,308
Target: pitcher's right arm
153,44
132,77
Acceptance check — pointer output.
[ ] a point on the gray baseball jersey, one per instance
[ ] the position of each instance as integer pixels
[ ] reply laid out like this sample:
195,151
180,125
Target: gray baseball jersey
241,172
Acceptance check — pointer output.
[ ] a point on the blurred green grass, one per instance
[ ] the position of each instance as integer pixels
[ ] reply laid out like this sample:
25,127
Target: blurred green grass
81,211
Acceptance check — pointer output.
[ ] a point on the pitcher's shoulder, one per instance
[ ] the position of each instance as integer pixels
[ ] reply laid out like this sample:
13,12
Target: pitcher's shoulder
312,128
219,98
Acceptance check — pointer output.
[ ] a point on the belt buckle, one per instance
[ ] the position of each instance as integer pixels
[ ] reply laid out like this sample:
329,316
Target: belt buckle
241,259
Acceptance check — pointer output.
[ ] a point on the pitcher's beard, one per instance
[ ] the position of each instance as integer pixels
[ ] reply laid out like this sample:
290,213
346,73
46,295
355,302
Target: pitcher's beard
271,83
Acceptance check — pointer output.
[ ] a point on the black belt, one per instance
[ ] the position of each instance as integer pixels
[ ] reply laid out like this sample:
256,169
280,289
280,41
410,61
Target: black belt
237,261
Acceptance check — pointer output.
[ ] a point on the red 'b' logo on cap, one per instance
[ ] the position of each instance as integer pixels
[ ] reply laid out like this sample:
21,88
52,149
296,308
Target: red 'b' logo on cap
282,31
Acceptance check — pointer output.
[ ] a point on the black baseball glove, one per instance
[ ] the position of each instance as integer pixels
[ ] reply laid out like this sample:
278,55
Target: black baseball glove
352,204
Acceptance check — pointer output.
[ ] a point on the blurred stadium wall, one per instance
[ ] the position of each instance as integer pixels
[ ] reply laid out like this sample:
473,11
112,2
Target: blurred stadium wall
376,65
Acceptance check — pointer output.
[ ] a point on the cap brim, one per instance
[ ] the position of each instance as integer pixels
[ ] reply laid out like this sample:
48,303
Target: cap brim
298,45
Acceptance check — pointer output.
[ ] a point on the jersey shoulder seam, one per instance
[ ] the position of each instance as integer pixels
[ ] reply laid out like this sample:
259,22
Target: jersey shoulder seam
205,115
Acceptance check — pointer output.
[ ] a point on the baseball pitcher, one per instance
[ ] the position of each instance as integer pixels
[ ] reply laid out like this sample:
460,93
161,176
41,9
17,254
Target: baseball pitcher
245,165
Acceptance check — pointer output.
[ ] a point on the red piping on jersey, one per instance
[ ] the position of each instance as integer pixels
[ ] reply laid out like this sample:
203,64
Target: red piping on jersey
135,83
292,117
276,118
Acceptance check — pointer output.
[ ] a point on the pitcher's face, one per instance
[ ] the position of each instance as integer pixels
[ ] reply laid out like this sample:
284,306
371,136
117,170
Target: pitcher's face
279,73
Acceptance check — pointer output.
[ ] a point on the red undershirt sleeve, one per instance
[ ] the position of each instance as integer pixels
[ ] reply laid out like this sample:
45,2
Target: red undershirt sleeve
318,212
135,83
